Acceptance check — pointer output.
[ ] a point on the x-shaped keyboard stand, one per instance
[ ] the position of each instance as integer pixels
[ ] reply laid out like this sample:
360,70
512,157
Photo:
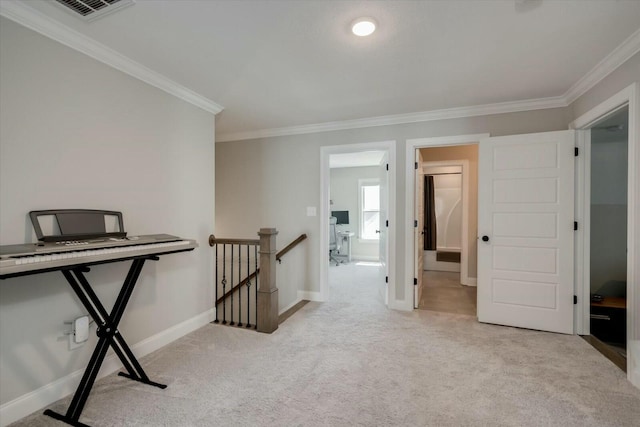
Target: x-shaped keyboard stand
108,336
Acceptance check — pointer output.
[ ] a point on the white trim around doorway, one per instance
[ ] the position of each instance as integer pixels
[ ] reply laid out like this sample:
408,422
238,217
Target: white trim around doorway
325,154
410,159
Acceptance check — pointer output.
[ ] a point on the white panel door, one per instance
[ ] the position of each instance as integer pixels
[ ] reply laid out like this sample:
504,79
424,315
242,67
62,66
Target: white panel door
419,230
525,228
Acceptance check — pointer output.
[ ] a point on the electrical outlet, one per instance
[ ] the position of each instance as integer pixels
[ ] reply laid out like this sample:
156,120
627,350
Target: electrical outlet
79,332
81,329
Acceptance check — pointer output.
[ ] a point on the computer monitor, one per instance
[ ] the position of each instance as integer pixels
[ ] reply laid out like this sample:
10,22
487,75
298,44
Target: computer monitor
341,216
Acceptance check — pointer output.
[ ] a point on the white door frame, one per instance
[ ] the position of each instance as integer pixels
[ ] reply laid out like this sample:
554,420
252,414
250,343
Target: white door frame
628,96
464,244
325,175
409,167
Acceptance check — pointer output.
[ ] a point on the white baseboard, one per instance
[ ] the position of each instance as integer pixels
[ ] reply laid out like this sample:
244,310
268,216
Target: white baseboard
450,267
633,352
402,305
634,377
302,295
310,296
472,281
290,305
26,404
365,258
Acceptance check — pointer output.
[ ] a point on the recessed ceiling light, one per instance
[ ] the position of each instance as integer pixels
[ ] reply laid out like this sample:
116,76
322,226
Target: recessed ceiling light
363,26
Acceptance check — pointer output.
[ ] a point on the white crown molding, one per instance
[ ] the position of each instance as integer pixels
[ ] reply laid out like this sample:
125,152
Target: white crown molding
425,116
33,19
609,63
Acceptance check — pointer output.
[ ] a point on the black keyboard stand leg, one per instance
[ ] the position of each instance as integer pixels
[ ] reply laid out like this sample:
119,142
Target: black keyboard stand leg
109,336
134,369
64,419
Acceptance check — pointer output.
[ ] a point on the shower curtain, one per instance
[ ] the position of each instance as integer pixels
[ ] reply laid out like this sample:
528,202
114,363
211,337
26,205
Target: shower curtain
429,214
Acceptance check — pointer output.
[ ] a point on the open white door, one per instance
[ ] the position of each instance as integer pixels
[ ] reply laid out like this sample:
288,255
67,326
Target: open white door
525,227
419,230
384,217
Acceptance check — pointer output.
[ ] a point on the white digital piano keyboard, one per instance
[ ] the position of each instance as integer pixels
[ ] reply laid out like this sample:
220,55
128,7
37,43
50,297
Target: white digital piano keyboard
71,241
23,259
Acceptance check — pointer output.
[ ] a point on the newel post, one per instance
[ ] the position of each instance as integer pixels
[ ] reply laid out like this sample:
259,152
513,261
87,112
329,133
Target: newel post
267,313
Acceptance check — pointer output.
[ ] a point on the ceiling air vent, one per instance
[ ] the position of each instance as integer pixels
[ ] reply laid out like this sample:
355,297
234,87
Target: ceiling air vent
93,9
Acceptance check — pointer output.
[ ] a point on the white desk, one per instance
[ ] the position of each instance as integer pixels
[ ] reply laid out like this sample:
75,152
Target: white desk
346,237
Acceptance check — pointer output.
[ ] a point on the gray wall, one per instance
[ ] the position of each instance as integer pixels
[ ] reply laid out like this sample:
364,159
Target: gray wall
75,133
254,186
271,181
344,193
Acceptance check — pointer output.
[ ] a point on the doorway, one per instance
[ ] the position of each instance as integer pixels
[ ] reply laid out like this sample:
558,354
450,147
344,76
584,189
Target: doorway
608,117
354,226
525,213
358,190
446,217
453,147
608,216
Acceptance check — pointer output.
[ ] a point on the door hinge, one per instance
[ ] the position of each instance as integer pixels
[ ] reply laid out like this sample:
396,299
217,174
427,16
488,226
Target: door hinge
387,166
415,280
415,165
575,299
575,225
415,223
576,150
386,223
386,279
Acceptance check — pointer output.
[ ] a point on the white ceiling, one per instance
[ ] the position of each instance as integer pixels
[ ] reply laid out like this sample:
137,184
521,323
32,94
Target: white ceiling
278,64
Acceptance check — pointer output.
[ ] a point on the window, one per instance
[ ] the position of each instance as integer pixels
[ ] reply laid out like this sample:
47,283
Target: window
369,209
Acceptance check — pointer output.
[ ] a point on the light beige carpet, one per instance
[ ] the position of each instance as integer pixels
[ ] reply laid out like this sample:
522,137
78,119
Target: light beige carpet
351,361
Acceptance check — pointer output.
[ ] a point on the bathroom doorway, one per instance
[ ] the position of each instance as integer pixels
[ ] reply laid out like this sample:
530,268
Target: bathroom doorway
443,216
448,218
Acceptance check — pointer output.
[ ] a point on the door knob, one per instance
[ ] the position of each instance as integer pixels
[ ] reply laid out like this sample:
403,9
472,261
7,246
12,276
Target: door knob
485,238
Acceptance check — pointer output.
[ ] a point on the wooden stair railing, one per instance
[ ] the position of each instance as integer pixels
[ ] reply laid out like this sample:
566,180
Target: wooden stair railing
290,246
266,293
244,281
238,286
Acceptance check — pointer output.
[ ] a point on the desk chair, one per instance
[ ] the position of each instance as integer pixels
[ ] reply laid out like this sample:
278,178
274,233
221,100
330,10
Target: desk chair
334,247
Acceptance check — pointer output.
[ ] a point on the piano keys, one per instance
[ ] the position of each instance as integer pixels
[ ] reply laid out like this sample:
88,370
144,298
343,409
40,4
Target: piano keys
19,260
